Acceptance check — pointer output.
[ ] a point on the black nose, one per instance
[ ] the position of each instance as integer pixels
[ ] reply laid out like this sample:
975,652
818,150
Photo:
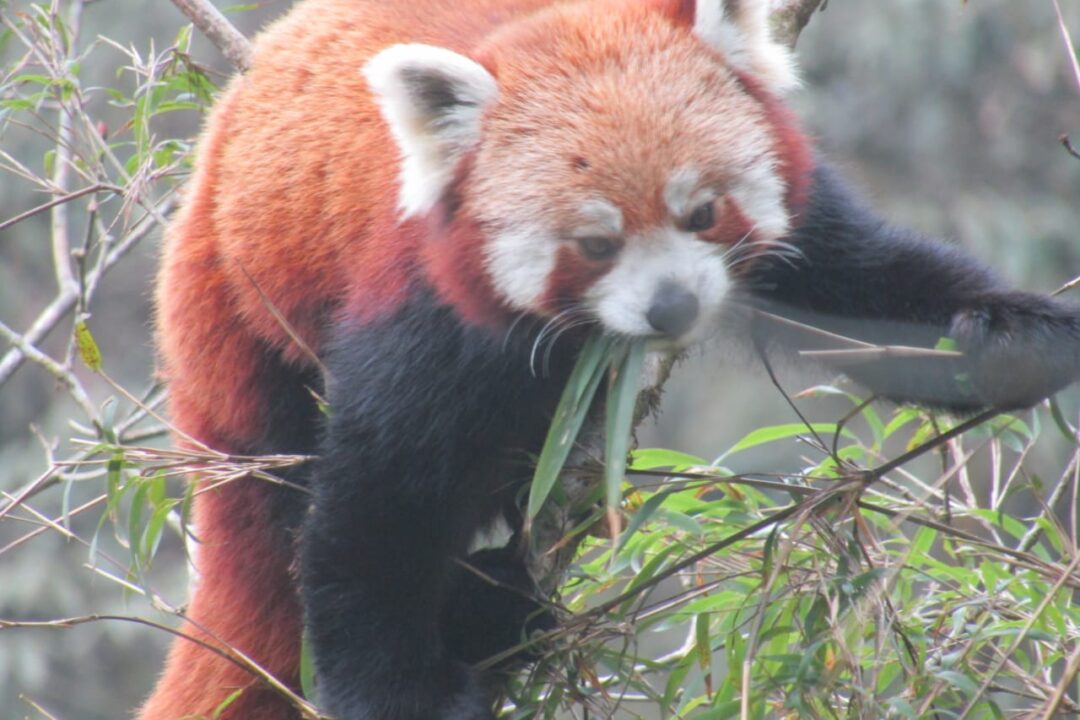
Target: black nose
673,310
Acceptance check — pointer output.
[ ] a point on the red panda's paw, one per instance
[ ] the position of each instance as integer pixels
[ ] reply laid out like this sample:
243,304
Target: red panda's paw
444,691
472,702
495,609
1019,348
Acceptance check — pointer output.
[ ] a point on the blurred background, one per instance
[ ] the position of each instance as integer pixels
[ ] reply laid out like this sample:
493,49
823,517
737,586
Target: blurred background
946,113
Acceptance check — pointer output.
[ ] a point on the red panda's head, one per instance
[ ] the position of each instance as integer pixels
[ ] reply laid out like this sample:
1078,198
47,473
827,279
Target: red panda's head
616,158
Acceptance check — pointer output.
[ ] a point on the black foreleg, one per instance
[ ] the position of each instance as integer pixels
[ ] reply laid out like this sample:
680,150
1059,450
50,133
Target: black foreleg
859,277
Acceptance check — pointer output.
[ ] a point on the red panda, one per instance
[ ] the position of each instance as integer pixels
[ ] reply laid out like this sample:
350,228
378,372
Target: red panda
404,182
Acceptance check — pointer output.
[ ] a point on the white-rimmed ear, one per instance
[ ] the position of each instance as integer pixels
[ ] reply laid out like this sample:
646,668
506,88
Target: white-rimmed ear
740,29
432,99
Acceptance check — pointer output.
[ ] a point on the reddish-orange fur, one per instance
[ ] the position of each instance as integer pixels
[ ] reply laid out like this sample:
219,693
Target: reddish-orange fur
304,251
290,199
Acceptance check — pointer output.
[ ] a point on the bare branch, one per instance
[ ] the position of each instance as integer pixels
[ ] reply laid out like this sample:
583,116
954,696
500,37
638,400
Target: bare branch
63,304
1073,60
1069,146
224,650
75,195
58,371
226,38
1074,283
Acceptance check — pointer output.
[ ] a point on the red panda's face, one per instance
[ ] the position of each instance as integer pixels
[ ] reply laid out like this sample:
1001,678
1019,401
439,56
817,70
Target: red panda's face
620,169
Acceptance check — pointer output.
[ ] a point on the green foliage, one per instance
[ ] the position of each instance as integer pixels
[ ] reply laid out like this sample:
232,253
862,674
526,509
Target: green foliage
889,598
602,356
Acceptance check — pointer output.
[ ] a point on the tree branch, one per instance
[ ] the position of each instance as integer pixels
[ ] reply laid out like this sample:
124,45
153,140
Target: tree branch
218,30
63,304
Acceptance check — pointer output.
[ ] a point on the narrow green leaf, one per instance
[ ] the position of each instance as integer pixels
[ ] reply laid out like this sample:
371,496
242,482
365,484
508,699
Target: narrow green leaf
902,417
1062,424
89,352
622,396
653,458
780,432
574,404
17,104
702,643
307,669
960,681
224,705
643,514
922,543
151,537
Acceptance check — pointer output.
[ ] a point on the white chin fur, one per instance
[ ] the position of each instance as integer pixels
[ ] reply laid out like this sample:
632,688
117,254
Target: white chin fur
621,299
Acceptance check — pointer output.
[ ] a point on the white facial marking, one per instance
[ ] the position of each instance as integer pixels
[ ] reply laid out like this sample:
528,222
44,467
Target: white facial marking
602,218
519,260
683,193
622,297
432,99
759,193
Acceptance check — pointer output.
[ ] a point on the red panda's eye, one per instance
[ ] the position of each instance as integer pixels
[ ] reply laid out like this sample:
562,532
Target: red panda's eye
703,218
599,248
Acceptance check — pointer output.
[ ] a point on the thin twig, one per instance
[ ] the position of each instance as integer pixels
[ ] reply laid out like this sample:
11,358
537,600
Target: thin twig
64,303
75,195
1064,139
63,374
218,30
58,215
1021,635
1060,696
233,655
1073,60
1074,283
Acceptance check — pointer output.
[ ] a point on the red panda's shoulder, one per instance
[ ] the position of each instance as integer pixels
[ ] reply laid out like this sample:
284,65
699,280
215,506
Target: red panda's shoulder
304,191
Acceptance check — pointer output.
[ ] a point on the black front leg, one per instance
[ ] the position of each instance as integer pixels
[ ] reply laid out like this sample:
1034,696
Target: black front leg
376,571
493,606
859,277
427,419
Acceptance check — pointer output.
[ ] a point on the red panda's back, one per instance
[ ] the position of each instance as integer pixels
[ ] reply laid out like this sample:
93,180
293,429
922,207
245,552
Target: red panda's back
294,197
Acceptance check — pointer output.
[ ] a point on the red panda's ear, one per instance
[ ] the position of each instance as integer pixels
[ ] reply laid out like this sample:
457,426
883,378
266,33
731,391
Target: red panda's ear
740,30
432,99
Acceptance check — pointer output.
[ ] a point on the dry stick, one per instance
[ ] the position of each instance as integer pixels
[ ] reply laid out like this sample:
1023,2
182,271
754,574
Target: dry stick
1054,703
100,187
1064,140
218,30
1075,282
1074,61
227,652
1020,554
33,705
54,472
58,215
61,373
